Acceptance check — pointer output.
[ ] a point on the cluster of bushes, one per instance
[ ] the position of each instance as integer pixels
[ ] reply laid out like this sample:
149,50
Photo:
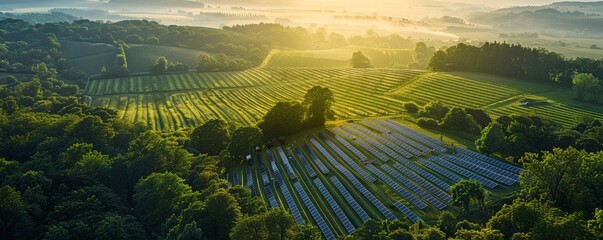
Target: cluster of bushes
162,65
438,115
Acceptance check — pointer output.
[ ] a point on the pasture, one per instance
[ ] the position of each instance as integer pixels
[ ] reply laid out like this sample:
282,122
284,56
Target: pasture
141,57
340,177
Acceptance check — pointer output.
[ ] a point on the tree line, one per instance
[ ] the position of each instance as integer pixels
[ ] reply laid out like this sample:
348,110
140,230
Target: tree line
513,60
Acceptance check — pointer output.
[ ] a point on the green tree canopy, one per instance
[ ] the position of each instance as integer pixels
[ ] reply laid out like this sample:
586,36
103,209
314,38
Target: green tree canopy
211,138
244,140
360,61
587,87
457,119
160,66
318,101
466,191
284,119
491,140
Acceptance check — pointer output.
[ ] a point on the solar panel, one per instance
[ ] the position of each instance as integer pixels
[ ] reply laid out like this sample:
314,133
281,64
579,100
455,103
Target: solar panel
250,184
343,156
304,162
335,206
424,183
465,172
322,225
409,213
316,160
397,188
285,160
348,198
414,188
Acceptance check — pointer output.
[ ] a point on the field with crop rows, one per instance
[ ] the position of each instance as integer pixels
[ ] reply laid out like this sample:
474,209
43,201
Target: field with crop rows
338,58
337,179
178,101
498,96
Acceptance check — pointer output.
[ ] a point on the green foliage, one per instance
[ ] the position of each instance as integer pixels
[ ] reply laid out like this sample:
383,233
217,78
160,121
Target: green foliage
491,140
447,223
527,134
457,119
569,178
587,87
318,100
284,119
480,116
12,209
244,140
427,122
274,224
411,107
211,138
160,66
435,110
466,191
157,197
360,61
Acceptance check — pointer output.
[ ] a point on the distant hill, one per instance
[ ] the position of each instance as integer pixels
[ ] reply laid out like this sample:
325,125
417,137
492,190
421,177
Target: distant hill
35,18
171,3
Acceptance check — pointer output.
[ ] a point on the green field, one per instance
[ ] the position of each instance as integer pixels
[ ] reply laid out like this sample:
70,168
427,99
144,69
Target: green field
173,102
141,57
178,101
338,58
498,96
377,177
89,57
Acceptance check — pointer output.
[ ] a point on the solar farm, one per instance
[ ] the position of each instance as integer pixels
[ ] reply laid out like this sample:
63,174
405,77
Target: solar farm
338,178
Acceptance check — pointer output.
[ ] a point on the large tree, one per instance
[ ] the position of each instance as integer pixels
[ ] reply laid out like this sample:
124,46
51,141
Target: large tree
318,100
284,119
158,196
458,119
211,138
587,87
160,66
466,191
492,139
243,141
360,61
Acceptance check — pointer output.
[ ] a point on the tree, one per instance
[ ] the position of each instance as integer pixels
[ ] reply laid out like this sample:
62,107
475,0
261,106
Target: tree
12,211
491,140
318,100
447,223
284,119
220,215
244,140
249,228
370,229
411,107
211,138
206,63
427,122
360,61
158,196
191,232
480,116
280,224
435,110
587,87
465,191
401,234
458,119
519,217
160,66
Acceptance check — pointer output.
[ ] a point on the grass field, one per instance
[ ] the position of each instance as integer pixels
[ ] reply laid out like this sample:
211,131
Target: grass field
141,57
366,169
173,102
89,57
498,96
339,58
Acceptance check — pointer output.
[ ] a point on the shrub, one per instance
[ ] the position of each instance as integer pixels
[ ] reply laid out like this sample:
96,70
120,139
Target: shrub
411,107
427,122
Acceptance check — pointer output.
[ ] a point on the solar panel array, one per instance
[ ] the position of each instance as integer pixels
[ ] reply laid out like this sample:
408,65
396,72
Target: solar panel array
489,160
285,160
414,188
343,156
316,160
368,195
250,181
432,178
288,198
304,161
434,190
409,213
320,221
436,168
484,169
471,175
436,145
348,198
342,147
349,227
396,187
266,180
